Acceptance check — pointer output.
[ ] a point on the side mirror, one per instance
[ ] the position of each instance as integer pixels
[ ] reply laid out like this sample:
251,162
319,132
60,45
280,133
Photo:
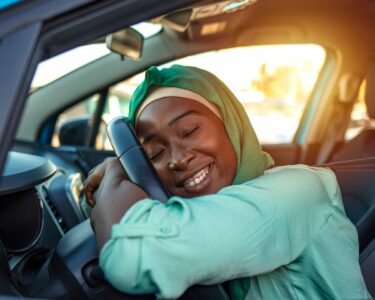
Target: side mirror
74,132
127,42
77,131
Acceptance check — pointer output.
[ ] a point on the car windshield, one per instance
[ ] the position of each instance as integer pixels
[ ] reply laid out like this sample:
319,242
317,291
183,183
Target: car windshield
60,65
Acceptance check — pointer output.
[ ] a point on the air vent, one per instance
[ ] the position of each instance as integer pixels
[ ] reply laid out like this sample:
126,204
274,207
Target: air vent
58,218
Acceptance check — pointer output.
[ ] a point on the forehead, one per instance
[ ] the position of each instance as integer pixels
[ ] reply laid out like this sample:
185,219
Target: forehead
166,109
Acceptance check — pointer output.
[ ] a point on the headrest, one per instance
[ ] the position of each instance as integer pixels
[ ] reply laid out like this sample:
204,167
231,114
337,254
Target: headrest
370,91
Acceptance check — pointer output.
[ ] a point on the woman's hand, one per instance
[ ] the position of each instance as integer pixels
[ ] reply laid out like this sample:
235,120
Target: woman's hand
95,177
114,196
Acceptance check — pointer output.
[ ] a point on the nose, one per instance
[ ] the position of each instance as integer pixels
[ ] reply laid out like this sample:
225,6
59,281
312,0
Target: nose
180,158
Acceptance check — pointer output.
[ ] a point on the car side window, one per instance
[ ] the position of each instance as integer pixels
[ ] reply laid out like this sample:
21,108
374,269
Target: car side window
119,97
72,124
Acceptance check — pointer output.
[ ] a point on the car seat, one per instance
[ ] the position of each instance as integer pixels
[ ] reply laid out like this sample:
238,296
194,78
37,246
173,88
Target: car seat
367,261
363,145
356,178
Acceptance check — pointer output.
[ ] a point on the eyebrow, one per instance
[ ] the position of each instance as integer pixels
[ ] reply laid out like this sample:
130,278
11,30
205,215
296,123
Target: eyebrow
148,138
151,136
179,117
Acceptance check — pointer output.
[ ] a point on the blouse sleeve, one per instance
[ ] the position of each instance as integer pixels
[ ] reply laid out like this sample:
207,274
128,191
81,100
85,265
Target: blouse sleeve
242,231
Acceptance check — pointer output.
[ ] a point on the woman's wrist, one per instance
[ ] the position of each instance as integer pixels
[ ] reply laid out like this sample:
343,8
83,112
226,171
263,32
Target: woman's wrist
113,200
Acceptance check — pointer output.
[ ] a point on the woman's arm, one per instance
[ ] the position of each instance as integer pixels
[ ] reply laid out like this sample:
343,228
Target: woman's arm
241,231
114,196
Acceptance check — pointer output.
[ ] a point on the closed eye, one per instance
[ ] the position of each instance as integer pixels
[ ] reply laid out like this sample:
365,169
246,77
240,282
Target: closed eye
156,155
189,133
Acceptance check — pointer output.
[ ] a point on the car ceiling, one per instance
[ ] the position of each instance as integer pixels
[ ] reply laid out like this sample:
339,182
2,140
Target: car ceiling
337,24
328,23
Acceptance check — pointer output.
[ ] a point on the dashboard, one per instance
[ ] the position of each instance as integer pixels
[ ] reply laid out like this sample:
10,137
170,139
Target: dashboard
21,205
41,199
48,245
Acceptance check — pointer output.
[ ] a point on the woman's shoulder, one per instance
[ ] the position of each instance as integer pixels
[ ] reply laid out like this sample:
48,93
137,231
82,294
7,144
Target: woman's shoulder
306,176
292,183
320,173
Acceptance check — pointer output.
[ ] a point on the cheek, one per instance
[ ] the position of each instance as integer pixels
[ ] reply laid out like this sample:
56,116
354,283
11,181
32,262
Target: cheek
230,160
160,170
163,173
210,139
226,156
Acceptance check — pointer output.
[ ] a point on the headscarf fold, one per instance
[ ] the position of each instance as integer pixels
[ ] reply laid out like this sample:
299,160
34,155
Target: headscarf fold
167,91
251,160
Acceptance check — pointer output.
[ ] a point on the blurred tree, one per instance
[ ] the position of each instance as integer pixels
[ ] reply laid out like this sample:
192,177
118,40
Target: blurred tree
282,84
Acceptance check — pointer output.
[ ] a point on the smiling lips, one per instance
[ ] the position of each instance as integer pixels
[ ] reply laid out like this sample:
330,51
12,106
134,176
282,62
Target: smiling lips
196,179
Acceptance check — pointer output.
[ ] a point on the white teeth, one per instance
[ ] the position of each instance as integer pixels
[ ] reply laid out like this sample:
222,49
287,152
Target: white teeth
197,178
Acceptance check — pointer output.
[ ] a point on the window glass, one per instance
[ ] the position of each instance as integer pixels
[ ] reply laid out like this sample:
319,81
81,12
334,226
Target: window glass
272,82
148,29
119,97
359,117
117,105
72,124
60,65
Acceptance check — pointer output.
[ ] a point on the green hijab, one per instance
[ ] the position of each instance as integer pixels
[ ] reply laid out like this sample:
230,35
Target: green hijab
251,160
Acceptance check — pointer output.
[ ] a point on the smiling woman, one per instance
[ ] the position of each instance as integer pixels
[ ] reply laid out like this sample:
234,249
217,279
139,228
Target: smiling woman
231,216
209,162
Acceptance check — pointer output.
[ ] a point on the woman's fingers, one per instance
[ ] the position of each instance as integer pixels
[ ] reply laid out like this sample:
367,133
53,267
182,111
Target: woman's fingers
92,219
94,179
115,169
91,184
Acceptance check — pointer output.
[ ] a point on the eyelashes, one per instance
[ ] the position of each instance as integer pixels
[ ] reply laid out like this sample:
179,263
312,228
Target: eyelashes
189,133
159,152
156,155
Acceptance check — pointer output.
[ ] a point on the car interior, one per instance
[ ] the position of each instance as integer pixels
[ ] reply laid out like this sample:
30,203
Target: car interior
362,145
47,247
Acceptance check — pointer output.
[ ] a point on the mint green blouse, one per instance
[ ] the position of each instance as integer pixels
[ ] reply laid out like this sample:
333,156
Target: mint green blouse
286,232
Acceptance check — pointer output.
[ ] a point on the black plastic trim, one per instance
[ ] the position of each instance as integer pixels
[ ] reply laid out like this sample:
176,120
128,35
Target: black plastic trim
23,171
